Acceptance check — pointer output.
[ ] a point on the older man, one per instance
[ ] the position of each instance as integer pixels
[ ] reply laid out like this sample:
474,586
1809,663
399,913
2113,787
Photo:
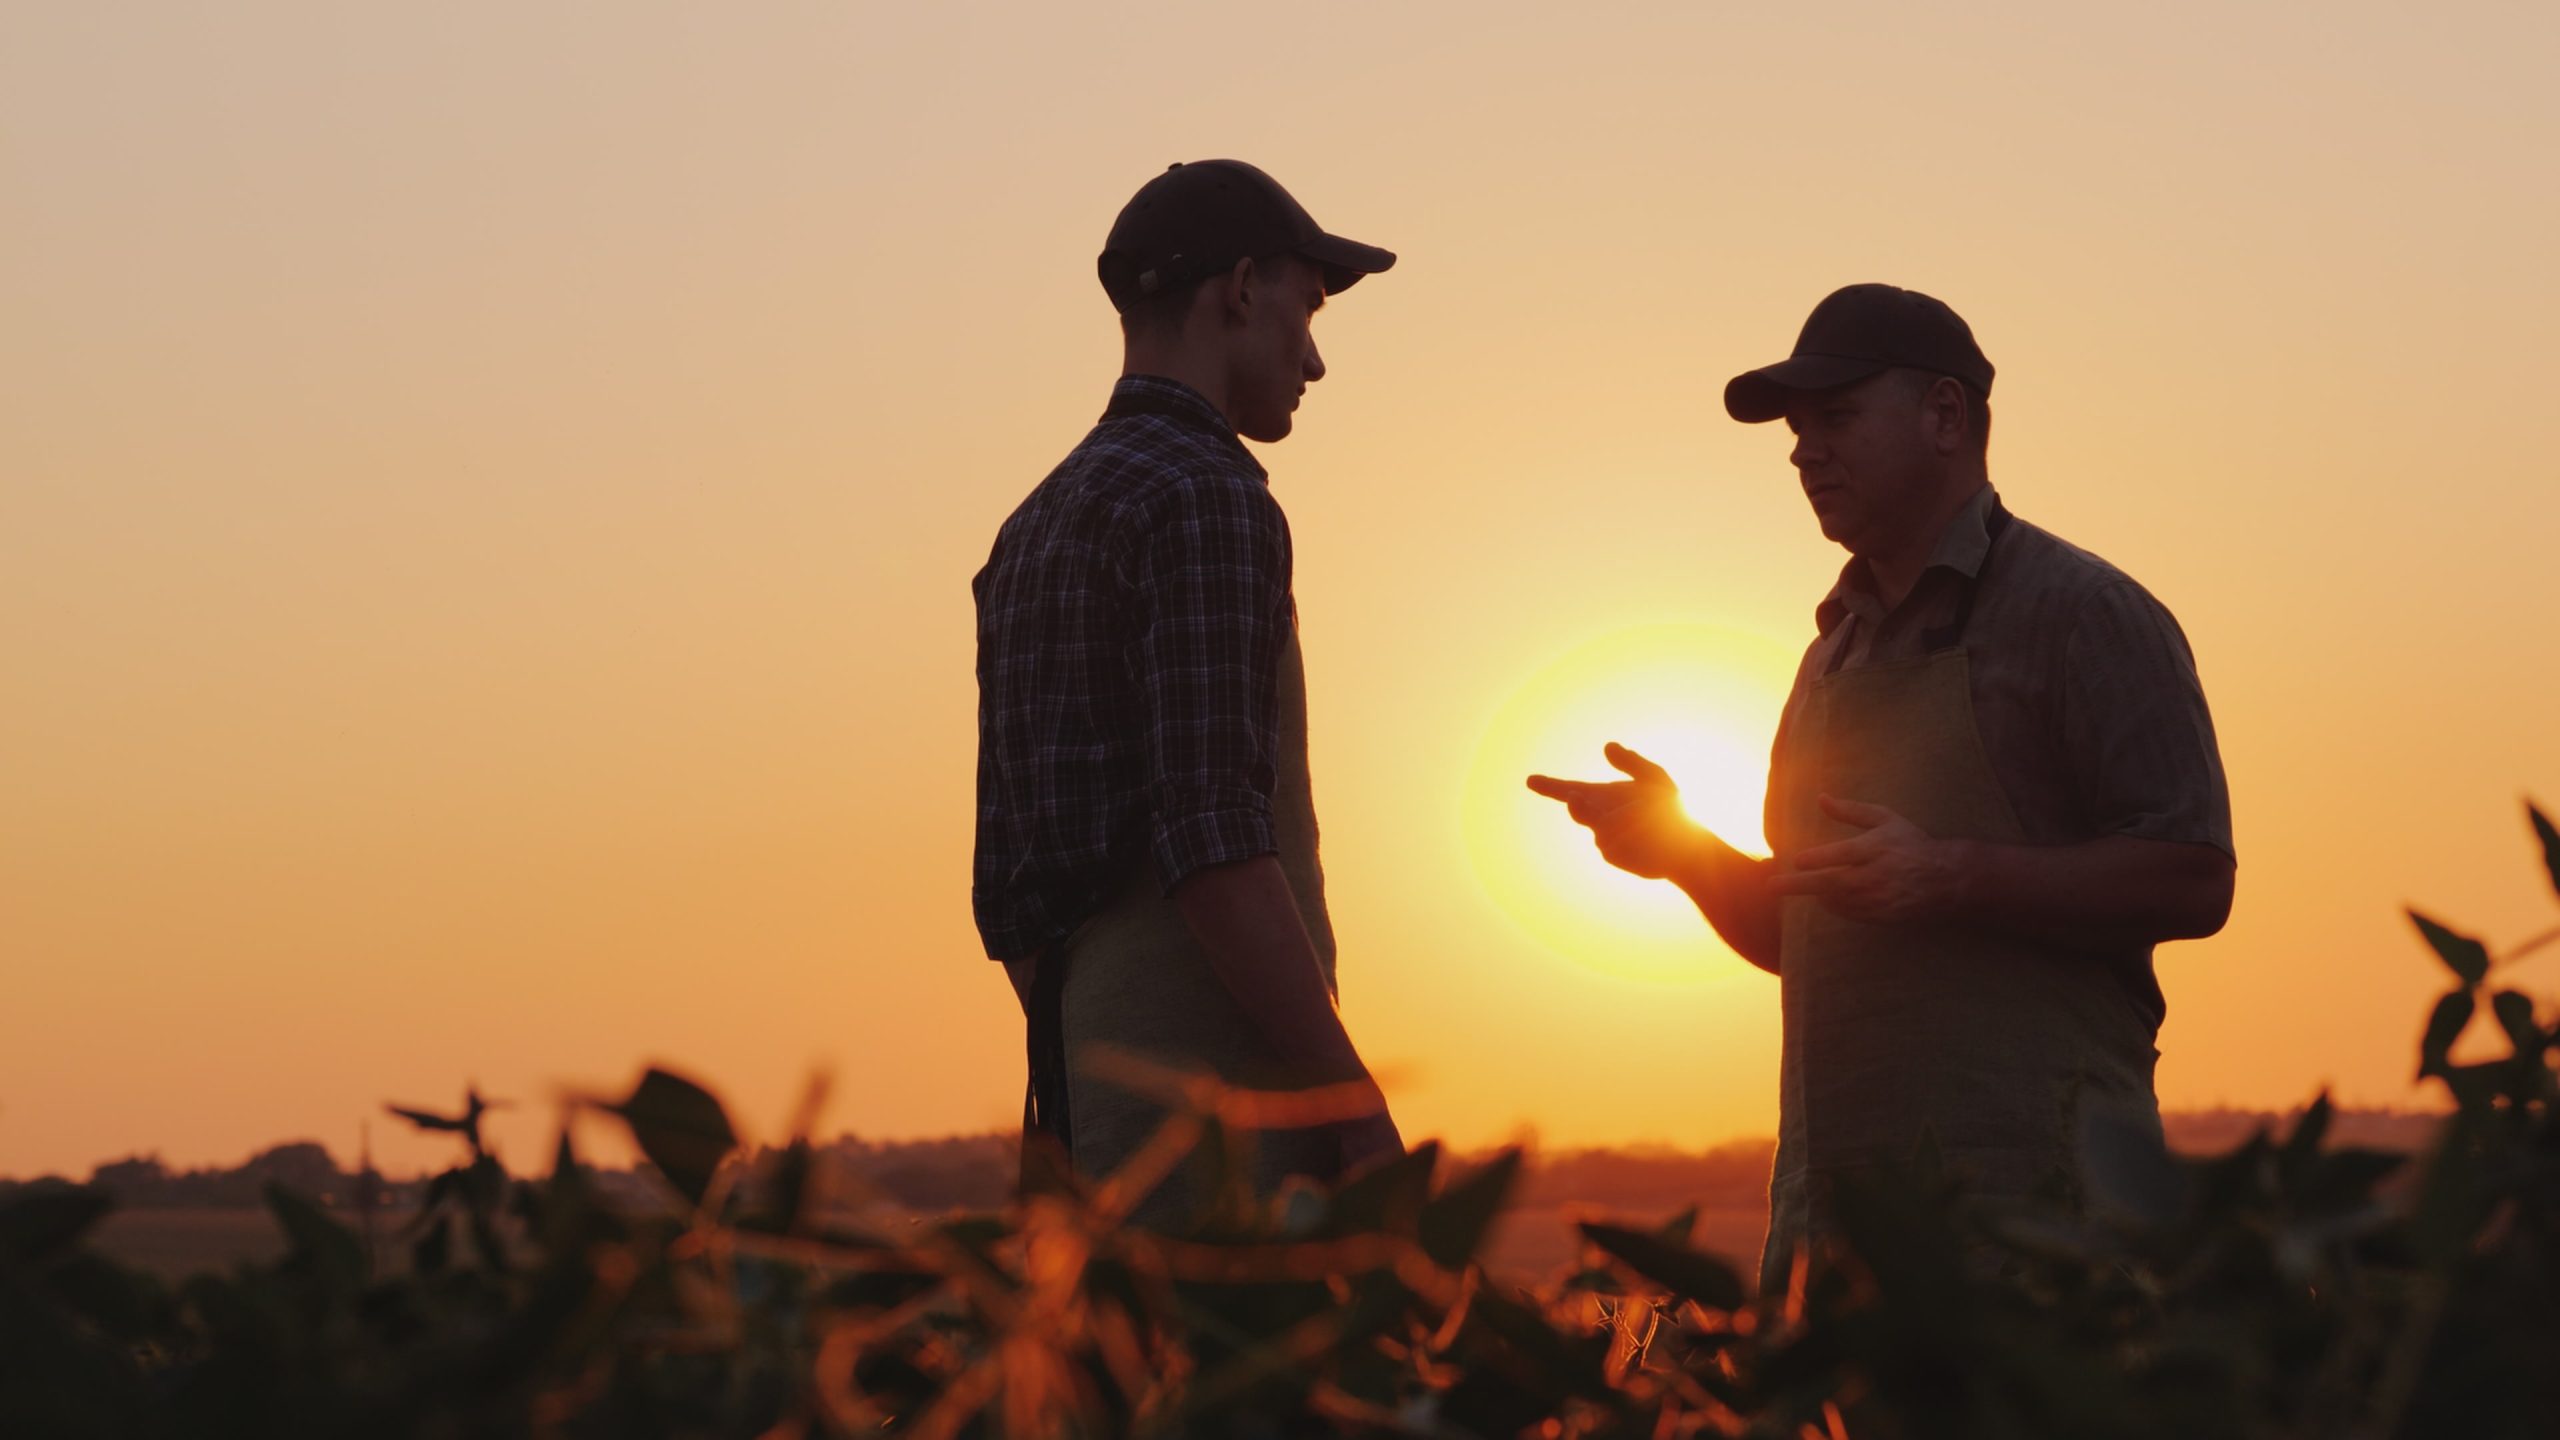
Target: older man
1146,848
1994,789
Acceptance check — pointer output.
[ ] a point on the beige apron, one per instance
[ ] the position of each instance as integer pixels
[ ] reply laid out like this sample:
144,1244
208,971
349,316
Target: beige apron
1991,1042
1138,982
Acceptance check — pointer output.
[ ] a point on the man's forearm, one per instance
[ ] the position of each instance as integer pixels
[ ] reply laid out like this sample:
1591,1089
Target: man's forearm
1731,890
2118,889
1245,916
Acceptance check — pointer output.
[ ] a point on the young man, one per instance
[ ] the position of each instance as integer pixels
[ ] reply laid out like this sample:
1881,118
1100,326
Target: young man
1146,852
1994,789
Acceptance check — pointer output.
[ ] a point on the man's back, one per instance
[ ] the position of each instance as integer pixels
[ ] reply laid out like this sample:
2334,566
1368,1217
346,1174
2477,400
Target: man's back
1151,568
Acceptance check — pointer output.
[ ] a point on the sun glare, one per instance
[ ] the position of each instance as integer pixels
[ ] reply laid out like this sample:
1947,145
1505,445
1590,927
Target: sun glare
1699,700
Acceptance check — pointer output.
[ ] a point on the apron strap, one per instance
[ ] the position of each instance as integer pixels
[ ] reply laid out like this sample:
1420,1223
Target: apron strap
1044,1099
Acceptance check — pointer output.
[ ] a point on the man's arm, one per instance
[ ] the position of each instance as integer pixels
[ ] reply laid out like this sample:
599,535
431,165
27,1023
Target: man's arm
1211,577
1639,827
1246,918
2116,889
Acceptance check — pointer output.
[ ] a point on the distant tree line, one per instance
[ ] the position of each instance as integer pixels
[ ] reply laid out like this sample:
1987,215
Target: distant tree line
143,1182
966,1172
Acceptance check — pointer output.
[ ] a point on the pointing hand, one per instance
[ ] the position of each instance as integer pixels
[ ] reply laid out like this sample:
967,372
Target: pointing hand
1637,822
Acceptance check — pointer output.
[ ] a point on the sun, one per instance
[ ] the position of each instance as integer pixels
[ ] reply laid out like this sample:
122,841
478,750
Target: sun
1701,701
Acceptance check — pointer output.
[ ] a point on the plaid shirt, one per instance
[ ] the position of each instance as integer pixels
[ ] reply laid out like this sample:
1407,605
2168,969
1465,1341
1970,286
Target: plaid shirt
1131,623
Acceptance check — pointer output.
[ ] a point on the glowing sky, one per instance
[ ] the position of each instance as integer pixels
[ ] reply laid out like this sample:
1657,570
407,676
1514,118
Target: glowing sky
488,493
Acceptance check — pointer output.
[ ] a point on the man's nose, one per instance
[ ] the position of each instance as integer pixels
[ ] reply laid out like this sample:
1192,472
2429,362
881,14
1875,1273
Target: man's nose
1804,453
1315,364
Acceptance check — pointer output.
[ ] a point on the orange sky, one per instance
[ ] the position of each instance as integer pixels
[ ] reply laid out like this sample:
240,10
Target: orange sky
488,493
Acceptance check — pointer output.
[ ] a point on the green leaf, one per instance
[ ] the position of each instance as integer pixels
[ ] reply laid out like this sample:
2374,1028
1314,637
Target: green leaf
2129,1167
326,1249
37,1224
1678,1228
434,1249
2466,957
1684,1272
1548,1362
1454,1223
128,1304
793,1184
2550,838
1385,1198
2308,1131
427,1120
681,1128
2443,1027
2344,1180
2515,1016
2476,1086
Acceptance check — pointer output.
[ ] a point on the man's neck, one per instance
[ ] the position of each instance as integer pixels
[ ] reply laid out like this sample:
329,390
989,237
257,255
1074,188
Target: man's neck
1897,570
1175,363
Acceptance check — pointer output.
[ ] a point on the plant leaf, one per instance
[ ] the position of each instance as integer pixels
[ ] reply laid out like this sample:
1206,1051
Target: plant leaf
2515,1016
433,1250
681,1128
2310,1130
1684,1272
426,1120
2550,838
38,1224
2443,1027
328,1250
2466,957
1678,1228
2129,1166
1385,1198
1455,1222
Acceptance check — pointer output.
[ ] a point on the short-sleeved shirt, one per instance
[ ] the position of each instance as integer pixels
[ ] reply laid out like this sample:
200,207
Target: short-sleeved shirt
2084,688
1132,618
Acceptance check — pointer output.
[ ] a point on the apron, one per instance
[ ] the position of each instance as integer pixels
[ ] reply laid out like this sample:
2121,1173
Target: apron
1992,1043
1134,979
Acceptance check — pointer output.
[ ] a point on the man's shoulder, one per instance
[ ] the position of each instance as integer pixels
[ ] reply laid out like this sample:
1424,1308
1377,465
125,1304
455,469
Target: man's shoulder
2053,571
2074,594
1137,463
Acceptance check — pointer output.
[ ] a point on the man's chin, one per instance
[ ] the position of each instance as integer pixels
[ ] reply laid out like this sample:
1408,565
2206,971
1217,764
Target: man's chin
1268,430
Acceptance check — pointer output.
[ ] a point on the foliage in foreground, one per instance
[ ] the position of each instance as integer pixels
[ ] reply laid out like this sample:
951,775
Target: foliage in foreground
2286,1289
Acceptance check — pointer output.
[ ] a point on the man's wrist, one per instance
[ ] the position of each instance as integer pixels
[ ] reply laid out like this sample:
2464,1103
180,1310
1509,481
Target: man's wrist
1698,867
1960,878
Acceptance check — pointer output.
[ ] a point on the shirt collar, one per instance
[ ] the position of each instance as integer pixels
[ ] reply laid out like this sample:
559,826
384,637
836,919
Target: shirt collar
1172,400
1961,549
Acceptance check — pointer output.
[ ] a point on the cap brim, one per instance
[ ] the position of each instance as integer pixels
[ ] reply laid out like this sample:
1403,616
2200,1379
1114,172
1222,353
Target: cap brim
1764,394
1345,261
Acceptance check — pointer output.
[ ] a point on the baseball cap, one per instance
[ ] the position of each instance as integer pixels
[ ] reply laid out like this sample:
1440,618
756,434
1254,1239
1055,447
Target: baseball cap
1198,219
1858,331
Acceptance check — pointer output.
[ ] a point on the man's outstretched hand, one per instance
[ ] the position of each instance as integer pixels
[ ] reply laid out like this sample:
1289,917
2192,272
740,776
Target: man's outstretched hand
1637,822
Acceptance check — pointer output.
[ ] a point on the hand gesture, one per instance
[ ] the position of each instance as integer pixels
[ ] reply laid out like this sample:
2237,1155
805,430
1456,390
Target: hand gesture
1637,822
1891,873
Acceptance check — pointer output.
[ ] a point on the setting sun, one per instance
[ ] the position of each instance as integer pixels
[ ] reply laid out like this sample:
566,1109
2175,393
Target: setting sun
1699,700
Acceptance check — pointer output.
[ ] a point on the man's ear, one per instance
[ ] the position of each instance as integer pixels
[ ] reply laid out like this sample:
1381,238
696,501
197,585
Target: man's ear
1942,411
1237,291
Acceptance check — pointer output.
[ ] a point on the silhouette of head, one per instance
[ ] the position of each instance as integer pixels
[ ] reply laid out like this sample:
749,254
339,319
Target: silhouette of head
1890,402
1216,272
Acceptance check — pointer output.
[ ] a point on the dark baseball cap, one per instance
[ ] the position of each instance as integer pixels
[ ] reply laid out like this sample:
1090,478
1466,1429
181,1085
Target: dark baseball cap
1198,219
1858,331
